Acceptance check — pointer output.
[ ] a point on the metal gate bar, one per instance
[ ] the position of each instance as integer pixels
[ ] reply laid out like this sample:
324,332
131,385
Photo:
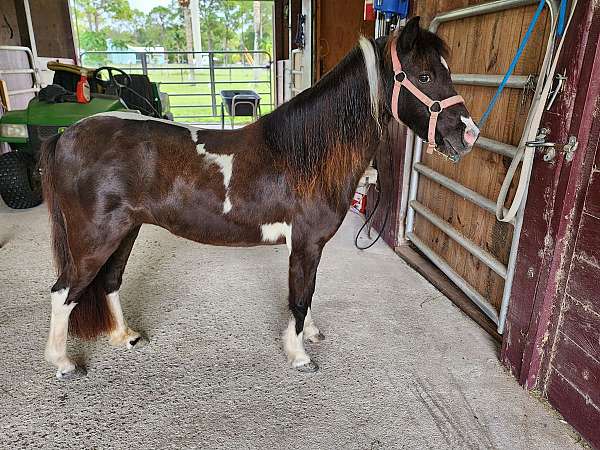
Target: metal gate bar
497,147
33,70
215,62
457,188
413,168
484,256
514,81
469,290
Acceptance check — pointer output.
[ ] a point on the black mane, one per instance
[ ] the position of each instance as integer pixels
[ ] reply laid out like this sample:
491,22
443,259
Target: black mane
333,113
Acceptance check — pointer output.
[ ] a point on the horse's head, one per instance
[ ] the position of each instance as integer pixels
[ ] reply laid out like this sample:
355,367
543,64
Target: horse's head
423,96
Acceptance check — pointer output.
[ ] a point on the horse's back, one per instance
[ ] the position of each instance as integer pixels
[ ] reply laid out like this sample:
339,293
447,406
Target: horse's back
204,185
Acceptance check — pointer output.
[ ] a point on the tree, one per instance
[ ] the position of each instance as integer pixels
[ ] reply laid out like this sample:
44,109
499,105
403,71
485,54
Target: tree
224,25
187,21
98,12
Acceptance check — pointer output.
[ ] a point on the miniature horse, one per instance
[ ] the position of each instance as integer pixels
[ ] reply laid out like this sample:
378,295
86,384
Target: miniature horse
287,178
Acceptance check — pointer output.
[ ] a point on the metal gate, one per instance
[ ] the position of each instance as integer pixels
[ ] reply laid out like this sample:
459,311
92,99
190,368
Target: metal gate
415,169
192,78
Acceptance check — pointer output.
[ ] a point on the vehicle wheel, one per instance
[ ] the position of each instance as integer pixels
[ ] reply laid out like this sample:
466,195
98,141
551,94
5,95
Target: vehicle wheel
20,181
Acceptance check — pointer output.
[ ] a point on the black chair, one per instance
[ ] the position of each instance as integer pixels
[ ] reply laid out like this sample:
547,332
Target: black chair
239,103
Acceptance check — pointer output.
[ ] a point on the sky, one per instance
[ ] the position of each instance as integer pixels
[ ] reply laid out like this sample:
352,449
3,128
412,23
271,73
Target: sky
147,5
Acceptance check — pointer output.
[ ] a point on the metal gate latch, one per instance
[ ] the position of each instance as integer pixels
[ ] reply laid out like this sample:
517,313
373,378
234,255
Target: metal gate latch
540,142
568,149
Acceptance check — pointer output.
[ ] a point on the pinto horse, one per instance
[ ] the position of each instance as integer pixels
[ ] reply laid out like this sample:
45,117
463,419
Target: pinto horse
287,178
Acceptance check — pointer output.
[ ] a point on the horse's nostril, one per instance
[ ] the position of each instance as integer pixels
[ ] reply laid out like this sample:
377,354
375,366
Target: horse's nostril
470,137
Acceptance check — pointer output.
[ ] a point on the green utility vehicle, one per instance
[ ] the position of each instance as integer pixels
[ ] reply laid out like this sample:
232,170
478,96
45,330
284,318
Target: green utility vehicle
55,108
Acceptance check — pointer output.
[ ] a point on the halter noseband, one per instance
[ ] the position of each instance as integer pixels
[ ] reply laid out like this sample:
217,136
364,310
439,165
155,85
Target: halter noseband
435,106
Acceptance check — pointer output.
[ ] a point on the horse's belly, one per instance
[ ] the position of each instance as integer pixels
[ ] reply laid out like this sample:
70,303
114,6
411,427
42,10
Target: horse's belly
215,228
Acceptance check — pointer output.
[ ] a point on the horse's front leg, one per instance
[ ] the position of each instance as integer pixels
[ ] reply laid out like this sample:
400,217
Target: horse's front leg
304,260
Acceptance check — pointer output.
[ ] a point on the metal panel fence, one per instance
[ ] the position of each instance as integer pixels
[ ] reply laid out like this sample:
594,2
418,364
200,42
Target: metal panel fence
194,80
414,169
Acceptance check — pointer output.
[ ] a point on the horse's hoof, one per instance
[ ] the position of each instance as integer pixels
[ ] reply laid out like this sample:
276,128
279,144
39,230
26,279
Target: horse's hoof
309,367
317,338
137,342
75,374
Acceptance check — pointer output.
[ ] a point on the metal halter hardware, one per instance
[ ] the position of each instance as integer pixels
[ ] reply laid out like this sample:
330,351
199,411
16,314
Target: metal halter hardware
433,115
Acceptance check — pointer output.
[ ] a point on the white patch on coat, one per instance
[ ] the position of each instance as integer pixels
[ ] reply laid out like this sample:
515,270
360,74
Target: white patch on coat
121,334
227,205
225,163
272,232
128,115
200,148
293,345
444,63
56,347
372,67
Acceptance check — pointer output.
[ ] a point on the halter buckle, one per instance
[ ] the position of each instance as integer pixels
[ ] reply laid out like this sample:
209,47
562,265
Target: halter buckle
396,77
435,104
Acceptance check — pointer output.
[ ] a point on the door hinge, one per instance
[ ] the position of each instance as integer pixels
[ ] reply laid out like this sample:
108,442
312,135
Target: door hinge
570,148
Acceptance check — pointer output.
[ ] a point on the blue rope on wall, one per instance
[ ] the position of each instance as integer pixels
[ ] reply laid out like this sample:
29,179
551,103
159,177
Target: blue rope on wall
515,60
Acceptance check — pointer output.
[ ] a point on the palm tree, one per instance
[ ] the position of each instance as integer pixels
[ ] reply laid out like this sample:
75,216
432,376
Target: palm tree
187,20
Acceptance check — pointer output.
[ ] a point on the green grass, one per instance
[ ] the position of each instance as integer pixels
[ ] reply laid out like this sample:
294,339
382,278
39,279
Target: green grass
191,96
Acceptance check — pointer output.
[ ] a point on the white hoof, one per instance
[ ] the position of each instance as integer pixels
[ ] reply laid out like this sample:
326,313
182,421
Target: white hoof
128,338
74,374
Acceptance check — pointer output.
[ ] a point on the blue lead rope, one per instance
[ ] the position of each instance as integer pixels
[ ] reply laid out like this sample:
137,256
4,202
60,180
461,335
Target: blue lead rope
513,63
561,18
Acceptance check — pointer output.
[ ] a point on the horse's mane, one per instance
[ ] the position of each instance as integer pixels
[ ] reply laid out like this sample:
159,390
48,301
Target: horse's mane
321,134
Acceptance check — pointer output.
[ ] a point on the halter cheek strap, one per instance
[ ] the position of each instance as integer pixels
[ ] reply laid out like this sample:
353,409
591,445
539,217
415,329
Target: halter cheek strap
435,106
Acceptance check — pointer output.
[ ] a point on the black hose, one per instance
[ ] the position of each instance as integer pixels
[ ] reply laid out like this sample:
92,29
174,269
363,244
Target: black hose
387,211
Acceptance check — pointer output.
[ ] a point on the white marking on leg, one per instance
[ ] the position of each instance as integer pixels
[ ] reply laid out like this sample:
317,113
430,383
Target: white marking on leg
293,345
272,232
444,63
311,332
121,334
225,163
56,348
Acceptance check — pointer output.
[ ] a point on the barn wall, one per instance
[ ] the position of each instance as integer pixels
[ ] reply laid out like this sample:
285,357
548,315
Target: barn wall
571,380
339,25
51,26
10,33
553,328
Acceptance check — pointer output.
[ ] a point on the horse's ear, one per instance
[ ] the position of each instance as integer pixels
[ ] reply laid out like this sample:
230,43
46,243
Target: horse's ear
408,35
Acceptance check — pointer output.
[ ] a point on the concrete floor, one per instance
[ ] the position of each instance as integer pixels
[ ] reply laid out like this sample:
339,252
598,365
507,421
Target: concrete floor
401,366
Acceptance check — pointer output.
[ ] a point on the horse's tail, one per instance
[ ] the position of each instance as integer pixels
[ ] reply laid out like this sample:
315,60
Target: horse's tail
60,245
91,317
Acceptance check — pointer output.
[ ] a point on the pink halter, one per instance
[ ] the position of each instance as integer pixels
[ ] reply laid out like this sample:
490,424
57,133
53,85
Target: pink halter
435,106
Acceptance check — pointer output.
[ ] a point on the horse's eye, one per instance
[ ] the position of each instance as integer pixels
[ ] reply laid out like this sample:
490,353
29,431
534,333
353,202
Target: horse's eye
424,78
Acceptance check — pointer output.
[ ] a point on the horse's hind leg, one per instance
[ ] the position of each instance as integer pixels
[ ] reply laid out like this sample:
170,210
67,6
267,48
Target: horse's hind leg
65,295
56,347
79,302
121,334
